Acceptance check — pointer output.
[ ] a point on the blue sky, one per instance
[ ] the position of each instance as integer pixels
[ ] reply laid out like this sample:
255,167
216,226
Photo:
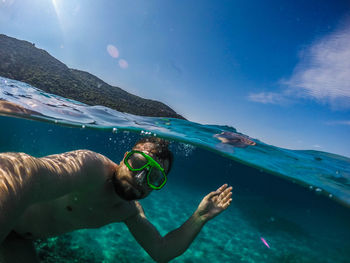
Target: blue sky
278,71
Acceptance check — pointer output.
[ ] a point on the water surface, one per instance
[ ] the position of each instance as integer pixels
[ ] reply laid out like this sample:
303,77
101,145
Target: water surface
297,201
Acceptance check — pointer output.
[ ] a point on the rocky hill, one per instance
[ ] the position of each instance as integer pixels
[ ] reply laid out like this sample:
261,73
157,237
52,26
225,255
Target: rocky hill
21,60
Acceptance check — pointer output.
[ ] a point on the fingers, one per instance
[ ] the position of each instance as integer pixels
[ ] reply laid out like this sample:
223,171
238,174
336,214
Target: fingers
225,205
213,194
225,192
221,192
218,191
221,188
225,198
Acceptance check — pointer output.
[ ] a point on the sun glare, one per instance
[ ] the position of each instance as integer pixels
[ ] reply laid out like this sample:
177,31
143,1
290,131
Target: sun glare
55,5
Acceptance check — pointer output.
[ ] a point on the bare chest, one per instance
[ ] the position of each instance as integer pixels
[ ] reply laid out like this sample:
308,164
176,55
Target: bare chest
72,212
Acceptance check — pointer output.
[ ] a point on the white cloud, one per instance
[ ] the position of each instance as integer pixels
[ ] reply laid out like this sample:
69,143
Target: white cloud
324,71
323,74
316,146
268,97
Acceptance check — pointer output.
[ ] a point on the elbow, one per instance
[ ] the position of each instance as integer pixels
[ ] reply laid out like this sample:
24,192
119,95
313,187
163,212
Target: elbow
164,258
161,260
160,255
163,254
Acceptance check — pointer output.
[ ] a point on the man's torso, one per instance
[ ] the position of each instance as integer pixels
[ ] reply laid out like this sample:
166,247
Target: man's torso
70,213
92,208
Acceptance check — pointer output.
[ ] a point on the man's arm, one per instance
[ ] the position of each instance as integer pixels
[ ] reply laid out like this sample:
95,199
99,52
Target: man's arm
176,242
163,249
18,188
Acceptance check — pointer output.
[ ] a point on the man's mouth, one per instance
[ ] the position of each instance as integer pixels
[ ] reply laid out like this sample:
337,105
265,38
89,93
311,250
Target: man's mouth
137,192
132,188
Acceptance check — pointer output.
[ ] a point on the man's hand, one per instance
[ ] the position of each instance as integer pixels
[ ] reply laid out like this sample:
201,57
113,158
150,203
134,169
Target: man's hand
214,203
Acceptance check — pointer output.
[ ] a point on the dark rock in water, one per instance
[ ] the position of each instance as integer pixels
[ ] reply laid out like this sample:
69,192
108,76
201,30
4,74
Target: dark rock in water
63,250
21,60
318,158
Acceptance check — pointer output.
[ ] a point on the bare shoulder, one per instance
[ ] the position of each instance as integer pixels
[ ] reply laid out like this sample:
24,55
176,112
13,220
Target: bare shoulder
15,166
13,157
82,154
13,154
78,159
75,170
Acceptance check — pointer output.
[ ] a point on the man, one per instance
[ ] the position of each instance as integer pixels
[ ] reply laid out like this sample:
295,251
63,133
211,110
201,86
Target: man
56,194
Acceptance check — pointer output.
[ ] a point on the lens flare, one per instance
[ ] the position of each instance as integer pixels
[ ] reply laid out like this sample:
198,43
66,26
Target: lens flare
6,2
55,5
112,51
123,63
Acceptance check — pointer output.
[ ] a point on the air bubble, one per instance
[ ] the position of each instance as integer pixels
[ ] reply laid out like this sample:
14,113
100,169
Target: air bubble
83,126
330,195
110,138
318,190
114,130
185,149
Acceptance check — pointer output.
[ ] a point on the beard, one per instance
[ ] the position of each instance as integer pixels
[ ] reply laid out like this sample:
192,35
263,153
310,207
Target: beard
125,191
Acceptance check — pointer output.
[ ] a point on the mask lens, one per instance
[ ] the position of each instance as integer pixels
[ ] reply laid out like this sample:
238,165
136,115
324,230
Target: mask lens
156,177
137,161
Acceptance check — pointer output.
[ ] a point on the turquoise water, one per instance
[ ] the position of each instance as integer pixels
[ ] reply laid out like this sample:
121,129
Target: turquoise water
298,201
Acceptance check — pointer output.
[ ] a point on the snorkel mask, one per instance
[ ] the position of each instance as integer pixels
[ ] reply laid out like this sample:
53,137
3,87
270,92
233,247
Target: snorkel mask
147,167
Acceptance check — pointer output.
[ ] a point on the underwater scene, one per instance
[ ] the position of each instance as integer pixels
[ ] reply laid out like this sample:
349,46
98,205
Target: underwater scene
288,205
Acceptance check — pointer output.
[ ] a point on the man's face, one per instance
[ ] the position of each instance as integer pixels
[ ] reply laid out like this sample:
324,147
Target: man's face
126,185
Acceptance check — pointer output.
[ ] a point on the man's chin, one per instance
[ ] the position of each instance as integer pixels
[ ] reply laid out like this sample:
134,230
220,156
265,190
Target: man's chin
125,192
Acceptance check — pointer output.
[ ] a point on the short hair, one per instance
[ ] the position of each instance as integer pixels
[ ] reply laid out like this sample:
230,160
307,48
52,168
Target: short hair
162,149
